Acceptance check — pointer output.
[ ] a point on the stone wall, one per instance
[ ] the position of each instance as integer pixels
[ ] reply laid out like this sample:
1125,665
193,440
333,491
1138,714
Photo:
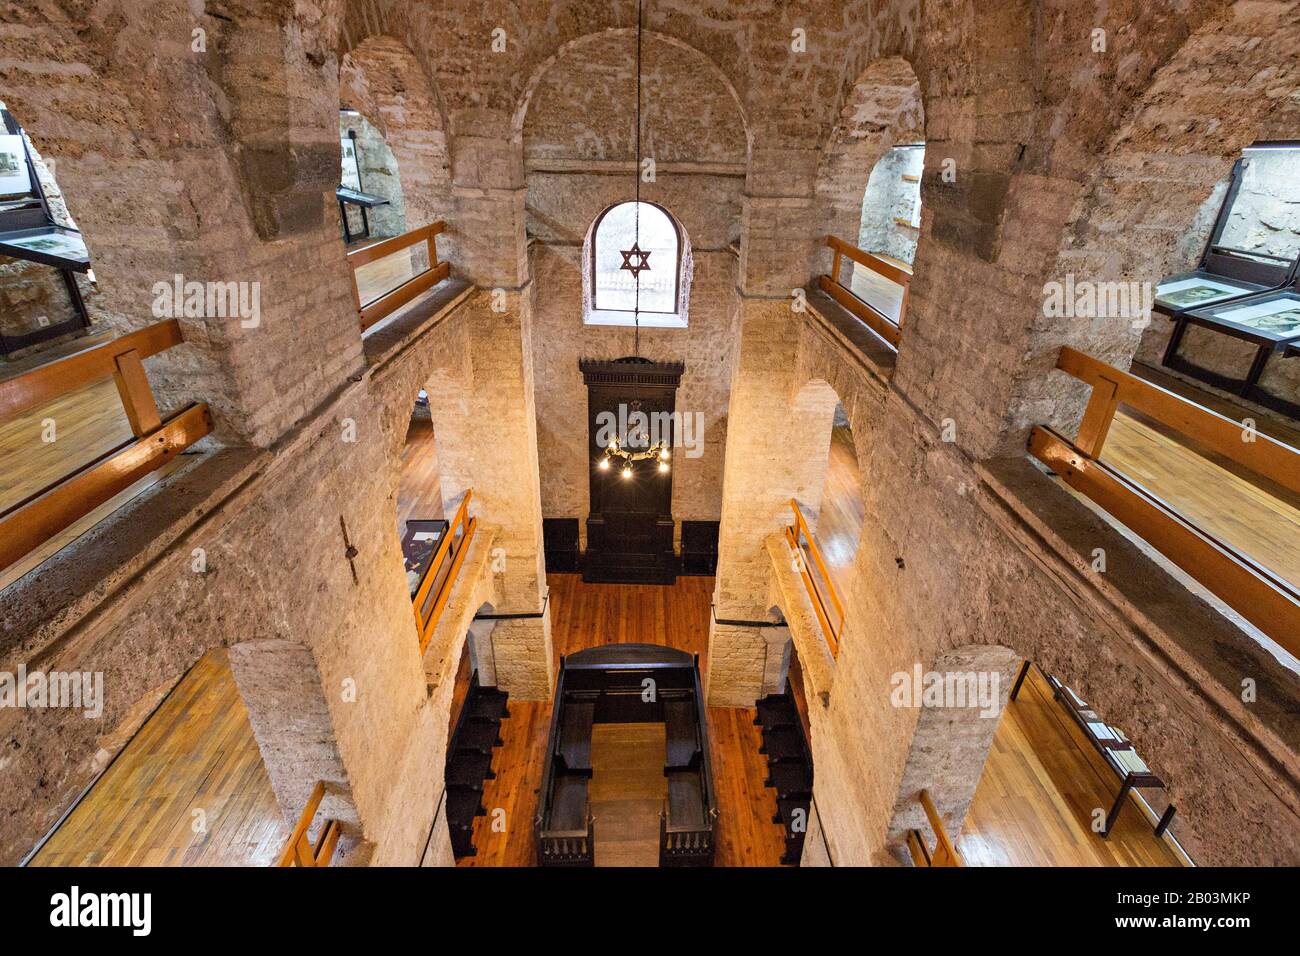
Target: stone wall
579,148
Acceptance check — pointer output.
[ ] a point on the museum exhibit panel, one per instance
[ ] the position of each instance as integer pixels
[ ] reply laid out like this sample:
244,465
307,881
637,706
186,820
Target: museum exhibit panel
38,255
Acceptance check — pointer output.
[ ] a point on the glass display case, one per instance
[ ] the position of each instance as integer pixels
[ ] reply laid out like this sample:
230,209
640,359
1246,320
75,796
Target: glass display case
40,298
1268,320
353,199
1238,260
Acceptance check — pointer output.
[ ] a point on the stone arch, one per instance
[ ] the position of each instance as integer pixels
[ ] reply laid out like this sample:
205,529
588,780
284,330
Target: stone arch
382,78
952,740
572,51
882,109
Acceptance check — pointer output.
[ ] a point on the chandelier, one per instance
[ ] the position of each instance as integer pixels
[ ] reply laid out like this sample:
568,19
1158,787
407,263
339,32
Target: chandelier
615,451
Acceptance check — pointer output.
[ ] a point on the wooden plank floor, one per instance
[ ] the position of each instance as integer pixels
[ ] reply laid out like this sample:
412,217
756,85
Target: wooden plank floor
419,490
88,422
196,753
1238,508
627,791
588,615
1034,804
839,525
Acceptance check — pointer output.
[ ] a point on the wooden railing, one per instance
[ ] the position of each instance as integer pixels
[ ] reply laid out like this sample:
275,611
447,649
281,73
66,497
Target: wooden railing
1269,602
389,301
31,522
821,588
299,850
835,286
434,590
944,853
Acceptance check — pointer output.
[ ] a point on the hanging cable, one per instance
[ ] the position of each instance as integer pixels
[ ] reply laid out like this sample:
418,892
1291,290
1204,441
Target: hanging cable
636,171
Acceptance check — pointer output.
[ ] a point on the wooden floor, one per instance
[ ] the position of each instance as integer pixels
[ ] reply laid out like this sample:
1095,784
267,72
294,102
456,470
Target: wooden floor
1239,508
1041,785
196,753
883,295
419,491
88,422
588,615
839,526
627,791
378,278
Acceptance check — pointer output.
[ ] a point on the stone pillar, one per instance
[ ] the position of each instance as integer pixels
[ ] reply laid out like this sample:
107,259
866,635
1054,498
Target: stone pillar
778,439
281,687
482,404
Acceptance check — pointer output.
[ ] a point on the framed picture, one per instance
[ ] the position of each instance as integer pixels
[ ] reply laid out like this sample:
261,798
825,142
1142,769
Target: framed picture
1279,318
14,177
1195,291
55,246
351,178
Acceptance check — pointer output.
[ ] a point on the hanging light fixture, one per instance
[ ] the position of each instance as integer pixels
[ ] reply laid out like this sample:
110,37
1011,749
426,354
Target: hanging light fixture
636,261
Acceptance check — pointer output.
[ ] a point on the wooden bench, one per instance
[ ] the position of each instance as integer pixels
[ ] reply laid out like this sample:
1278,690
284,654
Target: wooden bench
682,733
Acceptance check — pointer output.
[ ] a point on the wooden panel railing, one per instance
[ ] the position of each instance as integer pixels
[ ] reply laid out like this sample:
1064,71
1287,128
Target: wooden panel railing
834,286
29,523
299,850
435,589
821,588
384,304
944,853
1266,600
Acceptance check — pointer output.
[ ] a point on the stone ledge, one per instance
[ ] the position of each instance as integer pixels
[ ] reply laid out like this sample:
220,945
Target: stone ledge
57,595
1190,639
385,340
800,617
849,332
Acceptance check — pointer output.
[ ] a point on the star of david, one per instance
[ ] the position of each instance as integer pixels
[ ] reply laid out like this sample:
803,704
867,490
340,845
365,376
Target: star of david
642,264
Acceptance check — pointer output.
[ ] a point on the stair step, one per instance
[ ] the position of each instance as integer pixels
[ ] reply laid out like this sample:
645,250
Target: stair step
469,769
774,711
785,743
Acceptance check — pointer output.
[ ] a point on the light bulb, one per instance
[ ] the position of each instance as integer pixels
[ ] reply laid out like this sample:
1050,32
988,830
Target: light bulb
604,464
627,471
663,466
663,453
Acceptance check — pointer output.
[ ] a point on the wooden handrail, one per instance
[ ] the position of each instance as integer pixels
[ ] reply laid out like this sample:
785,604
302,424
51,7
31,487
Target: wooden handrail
27,524
299,850
1262,597
823,603
1261,453
451,552
37,386
877,321
945,852
389,302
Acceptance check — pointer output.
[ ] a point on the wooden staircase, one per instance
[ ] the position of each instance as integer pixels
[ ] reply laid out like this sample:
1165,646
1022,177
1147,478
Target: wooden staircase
789,768
469,761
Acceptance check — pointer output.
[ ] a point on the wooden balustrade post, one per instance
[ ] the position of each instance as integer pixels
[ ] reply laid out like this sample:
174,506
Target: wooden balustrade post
137,396
1097,417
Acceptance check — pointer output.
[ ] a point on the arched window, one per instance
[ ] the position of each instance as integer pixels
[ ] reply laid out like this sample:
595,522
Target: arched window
637,261
891,205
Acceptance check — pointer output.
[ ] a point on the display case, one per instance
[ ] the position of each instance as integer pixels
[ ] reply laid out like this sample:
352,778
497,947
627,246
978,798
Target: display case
30,234
351,195
1270,321
1227,270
